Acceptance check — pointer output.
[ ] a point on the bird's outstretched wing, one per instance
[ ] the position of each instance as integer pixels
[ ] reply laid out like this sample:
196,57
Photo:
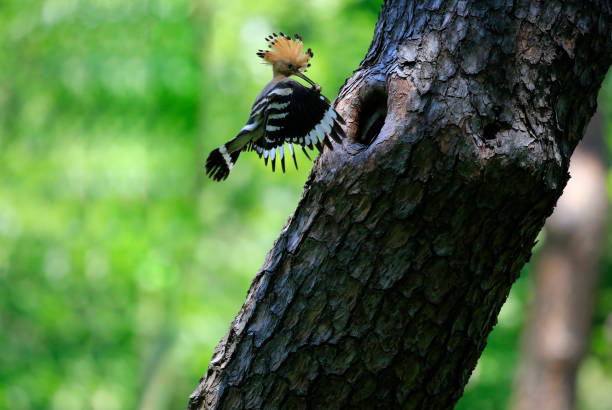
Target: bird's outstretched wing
295,114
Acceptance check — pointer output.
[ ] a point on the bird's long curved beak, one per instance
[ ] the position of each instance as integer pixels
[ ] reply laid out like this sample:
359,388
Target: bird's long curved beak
303,77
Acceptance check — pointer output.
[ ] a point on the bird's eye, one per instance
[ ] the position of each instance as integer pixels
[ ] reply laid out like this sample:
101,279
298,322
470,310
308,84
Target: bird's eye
289,65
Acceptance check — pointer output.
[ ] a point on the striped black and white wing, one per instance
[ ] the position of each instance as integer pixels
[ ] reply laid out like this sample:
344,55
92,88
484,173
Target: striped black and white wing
295,114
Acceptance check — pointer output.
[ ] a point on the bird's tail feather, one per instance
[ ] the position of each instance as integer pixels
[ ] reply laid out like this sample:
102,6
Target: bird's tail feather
220,162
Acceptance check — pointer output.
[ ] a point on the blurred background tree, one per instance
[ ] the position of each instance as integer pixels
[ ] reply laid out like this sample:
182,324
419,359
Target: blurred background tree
556,335
121,267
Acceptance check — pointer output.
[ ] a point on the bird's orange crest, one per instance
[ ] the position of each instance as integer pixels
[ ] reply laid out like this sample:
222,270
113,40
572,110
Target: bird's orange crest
285,48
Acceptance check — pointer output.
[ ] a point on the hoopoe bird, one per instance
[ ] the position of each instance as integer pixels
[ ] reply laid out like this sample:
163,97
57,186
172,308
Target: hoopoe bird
285,111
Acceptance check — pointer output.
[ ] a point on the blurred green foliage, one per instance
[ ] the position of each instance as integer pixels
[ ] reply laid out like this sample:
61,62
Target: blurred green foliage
121,265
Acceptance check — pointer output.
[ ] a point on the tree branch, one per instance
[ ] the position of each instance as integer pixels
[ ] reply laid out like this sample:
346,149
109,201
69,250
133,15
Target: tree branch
387,279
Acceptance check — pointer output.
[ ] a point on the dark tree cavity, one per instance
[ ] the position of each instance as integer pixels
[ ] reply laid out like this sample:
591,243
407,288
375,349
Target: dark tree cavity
385,282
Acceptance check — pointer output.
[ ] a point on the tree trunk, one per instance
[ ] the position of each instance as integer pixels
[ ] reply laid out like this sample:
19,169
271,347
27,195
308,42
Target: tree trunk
557,333
385,282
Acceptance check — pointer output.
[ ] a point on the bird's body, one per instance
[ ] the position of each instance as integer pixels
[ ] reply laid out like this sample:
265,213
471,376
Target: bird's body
285,111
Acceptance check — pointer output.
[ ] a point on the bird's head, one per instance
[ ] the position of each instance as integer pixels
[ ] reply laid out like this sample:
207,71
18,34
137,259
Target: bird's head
286,56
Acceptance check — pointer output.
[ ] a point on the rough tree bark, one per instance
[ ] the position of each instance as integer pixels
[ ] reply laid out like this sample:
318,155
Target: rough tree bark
557,333
385,282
